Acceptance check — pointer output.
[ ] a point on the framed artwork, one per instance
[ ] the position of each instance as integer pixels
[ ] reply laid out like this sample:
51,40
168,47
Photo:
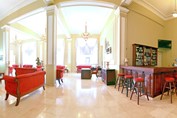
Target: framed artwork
108,48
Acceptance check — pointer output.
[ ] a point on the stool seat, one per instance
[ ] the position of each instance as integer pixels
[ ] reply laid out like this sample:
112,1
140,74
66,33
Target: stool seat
169,79
119,80
170,85
139,79
121,74
127,83
128,76
139,88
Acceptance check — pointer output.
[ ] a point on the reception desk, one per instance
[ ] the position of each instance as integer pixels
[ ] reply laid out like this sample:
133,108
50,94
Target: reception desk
154,76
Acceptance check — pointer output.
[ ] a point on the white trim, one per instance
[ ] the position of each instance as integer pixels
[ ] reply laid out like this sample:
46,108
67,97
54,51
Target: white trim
99,4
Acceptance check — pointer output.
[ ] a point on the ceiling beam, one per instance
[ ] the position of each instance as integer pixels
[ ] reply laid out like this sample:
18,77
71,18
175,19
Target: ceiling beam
25,30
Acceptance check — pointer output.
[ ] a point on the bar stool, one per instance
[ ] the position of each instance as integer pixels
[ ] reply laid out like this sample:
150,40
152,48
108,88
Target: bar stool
119,80
170,81
127,83
139,87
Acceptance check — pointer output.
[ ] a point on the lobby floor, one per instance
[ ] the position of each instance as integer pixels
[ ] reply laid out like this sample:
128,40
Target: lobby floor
77,98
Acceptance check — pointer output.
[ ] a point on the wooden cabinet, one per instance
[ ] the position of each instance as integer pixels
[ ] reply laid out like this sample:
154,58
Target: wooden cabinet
144,55
108,76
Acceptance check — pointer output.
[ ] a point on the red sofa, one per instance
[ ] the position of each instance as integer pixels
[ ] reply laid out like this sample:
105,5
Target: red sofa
27,66
23,84
59,73
79,67
19,71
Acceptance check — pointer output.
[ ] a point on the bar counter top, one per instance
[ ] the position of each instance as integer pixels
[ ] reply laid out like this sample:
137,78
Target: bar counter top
154,76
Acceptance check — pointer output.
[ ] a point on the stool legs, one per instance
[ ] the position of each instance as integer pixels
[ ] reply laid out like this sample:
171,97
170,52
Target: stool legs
139,87
116,82
171,84
128,84
119,81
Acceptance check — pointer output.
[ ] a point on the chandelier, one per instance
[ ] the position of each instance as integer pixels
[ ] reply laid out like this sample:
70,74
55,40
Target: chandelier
85,35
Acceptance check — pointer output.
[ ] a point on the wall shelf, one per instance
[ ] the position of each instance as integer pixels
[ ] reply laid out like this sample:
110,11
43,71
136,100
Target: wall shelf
144,55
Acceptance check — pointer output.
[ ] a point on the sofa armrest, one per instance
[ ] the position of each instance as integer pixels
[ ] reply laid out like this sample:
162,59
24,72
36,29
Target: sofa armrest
10,85
9,78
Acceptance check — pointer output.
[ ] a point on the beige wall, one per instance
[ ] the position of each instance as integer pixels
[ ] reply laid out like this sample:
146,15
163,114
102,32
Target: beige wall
170,55
107,35
143,28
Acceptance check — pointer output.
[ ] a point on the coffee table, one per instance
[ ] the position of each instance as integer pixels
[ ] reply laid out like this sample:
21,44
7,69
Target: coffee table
86,73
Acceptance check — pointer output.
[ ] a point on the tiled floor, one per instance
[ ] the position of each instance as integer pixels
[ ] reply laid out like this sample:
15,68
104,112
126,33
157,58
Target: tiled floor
78,98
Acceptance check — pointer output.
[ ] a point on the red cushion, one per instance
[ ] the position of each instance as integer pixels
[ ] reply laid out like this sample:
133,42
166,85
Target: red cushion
169,79
128,76
139,79
120,74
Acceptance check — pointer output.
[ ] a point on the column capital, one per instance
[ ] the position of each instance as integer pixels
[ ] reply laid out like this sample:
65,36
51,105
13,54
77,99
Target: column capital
5,28
124,10
121,10
51,7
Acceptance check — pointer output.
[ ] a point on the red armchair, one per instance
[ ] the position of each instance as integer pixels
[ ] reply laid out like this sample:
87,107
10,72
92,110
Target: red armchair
60,67
59,73
15,65
10,70
95,71
39,68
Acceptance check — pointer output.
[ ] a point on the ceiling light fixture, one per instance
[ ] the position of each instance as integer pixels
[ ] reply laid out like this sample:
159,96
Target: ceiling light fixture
85,35
175,13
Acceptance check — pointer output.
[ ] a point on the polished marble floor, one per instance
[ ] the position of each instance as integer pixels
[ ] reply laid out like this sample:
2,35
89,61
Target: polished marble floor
77,98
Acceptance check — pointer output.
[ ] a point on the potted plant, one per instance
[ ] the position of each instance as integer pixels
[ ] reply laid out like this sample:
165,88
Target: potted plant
38,61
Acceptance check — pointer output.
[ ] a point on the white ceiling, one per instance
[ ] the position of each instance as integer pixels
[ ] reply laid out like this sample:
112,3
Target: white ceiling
36,22
76,16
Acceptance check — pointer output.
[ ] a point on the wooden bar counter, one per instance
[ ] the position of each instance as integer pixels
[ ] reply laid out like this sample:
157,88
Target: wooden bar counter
154,76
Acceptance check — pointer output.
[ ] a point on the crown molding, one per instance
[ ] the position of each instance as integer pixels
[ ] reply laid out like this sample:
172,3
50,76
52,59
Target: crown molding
151,8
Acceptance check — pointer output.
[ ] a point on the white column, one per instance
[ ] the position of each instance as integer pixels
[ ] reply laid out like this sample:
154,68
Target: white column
6,44
122,20
51,45
120,35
